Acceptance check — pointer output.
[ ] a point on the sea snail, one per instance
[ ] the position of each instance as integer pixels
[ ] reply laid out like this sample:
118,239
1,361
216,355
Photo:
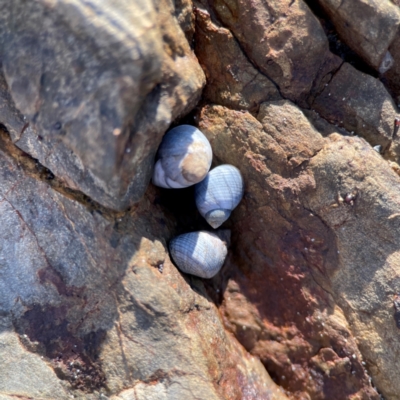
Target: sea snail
219,193
185,157
198,253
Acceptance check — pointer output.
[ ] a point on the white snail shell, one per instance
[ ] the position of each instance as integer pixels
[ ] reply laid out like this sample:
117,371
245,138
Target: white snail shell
198,253
185,157
219,193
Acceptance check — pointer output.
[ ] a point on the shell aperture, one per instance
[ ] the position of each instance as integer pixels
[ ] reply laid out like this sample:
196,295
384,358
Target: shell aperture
198,253
219,193
185,157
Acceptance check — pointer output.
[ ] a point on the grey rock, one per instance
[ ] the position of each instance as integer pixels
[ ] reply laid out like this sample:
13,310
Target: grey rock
387,63
87,95
26,375
91,304
391,77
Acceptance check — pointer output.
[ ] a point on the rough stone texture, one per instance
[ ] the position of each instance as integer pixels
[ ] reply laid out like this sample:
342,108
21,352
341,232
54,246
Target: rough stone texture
306,306
95,93
90,303
185,17
282,38
367,26
368,278
23,374
391,78
232,80
360,104
281,300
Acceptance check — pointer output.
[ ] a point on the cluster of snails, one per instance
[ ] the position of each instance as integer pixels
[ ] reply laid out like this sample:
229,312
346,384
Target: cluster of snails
184,159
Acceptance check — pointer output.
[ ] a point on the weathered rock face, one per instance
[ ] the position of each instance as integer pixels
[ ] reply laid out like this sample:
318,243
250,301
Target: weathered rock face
367,26
306,306
346,101
90,304
279,300
231,78
92,99
282,38
367,279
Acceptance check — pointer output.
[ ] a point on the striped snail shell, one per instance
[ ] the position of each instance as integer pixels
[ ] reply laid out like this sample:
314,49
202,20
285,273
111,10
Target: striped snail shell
219,193
185,157
198,253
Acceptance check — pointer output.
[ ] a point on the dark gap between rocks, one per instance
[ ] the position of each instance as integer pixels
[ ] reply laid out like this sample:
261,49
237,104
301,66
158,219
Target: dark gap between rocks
180,206
181,202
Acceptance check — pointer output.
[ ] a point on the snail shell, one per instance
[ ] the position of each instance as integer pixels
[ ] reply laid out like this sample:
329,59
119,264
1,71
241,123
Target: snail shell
198,253
219,193
185,157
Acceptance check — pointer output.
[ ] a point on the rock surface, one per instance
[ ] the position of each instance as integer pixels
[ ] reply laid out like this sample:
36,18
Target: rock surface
282,38
232,80
346,101
288,284
91,304
307,305
92,97
367,26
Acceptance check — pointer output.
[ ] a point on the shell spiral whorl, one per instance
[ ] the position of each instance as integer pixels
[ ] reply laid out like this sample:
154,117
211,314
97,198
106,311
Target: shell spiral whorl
185,157
198,253
219,193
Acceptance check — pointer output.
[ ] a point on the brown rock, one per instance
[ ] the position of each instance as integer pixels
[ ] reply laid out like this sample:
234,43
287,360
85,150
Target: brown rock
279,300
282,38
360,104
368,27
232,80
365,282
